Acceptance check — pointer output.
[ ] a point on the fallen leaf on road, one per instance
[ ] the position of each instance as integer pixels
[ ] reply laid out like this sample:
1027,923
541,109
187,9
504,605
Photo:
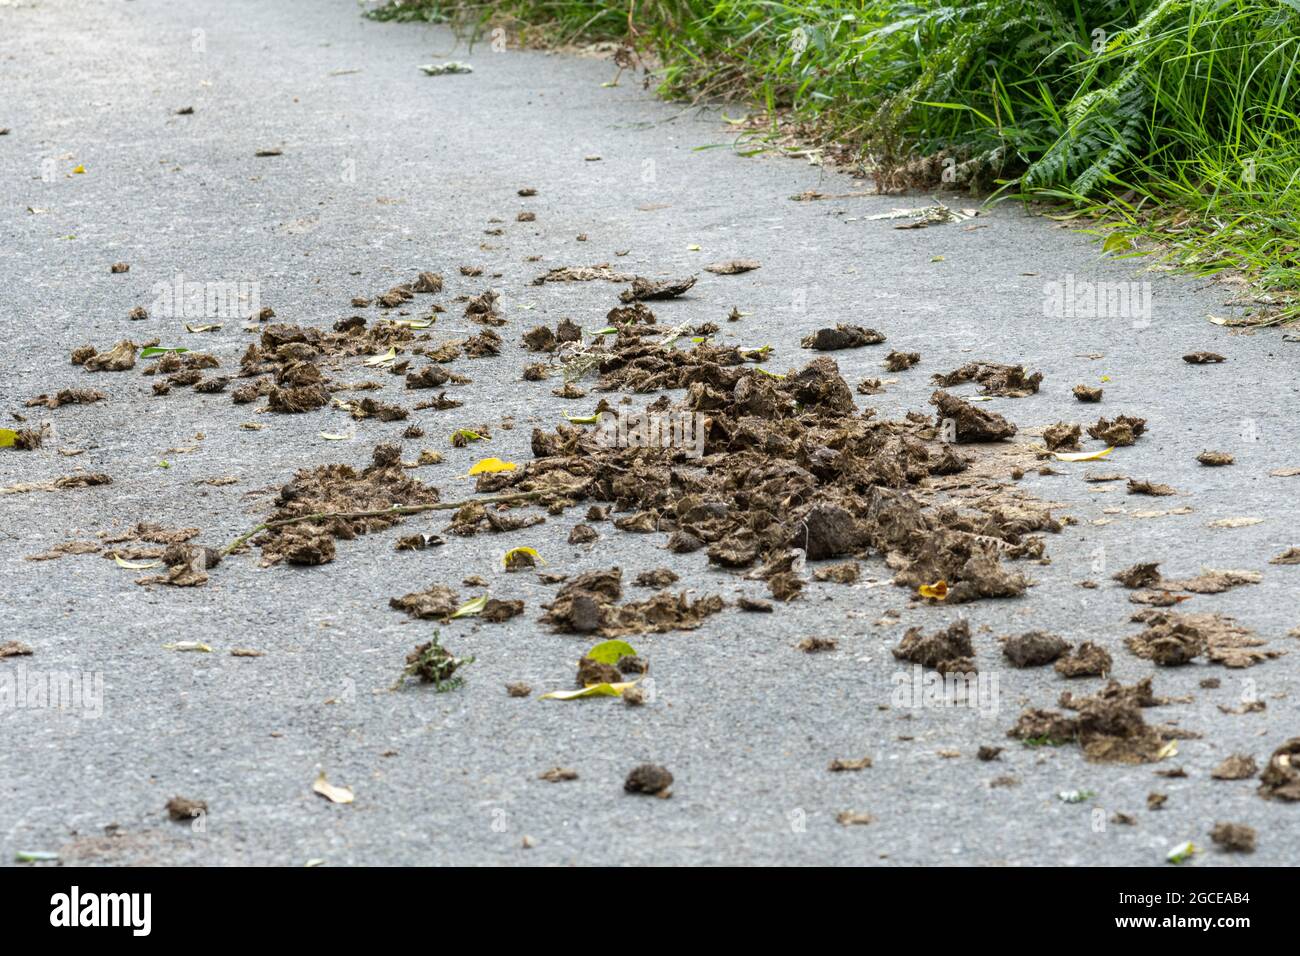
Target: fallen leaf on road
35,856
471,607
1083,455
521,557
463,436
595,690
331,792
611,652
936,592
490,466
193,647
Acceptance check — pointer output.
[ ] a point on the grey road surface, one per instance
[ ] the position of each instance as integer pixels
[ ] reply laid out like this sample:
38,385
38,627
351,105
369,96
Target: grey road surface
385,172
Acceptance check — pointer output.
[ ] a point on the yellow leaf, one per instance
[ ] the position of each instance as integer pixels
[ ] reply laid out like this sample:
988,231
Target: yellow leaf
135,565
79,170
610,652
192,646
383,359
471,607
1116,242
1168,750
414,323
490,466
7,437
330,792
328,436
1083,455
592,690
937,591
514,554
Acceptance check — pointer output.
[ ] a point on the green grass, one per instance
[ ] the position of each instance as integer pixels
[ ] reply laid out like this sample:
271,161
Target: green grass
1168,126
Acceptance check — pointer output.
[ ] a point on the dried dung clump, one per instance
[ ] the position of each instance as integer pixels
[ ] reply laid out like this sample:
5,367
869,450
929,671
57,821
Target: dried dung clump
651,779
1123,430
1215,459
1139,486
946,651
1281,778
1087,393
496,611
588,604
1109,725
1033,648
841,337
1234,837
583,274
787,463
1236,767
182,808
846,572
657,578
68,396
643,289
1007,381
970,424
119,358
356,502
731,267
901,361
1062,435
1171,638
596,672
437,602
1141,575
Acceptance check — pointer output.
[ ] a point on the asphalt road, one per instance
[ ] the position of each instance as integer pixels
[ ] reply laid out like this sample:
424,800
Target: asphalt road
385,172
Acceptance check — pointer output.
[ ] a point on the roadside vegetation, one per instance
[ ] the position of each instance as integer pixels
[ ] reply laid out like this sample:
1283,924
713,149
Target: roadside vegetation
1168,126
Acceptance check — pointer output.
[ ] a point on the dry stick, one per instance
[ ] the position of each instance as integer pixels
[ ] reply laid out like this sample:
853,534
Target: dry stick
397,510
